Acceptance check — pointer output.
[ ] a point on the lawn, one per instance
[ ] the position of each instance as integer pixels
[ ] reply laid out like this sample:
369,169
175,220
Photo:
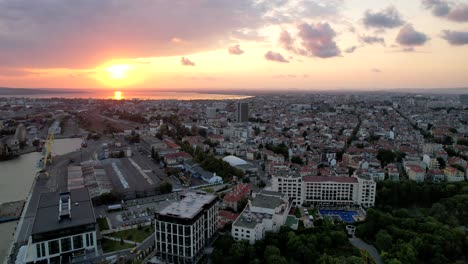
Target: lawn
134,234
103,225
110,245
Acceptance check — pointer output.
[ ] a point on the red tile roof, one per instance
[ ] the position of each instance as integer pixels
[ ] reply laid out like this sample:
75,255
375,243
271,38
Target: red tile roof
171,144
240,191
228,215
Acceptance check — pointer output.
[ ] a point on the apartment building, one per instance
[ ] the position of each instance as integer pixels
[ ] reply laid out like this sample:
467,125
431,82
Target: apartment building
266,212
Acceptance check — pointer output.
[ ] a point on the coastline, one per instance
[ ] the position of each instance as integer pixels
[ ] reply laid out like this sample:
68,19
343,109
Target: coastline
19,225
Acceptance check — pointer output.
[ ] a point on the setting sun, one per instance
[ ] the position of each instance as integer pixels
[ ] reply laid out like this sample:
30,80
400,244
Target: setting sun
119,74
118,95
118,71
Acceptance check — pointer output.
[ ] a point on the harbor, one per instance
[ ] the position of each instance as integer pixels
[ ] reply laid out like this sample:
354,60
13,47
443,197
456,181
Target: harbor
19,186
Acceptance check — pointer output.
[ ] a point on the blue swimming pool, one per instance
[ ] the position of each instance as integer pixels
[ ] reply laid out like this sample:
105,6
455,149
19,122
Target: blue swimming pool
346,216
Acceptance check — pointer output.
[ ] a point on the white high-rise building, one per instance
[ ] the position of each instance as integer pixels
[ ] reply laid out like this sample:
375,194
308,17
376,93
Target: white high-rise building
323,190
184,228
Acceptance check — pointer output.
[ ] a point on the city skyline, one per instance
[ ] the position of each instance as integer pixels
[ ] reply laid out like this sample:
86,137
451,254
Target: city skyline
276,45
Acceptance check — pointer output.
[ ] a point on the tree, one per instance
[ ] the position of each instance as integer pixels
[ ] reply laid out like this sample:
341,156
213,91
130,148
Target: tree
386,156
36,142
242,203
383,240
297,160
165,187
441,162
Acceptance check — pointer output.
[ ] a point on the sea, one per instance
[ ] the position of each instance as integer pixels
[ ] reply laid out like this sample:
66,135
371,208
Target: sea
125,94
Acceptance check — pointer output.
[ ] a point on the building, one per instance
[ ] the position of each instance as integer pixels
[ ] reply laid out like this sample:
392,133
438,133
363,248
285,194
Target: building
242,112
415,172
326,190
393,173
184,228
289,183
430,162
232,199
64,228
149,144
266,212
211,112
436,175
453,175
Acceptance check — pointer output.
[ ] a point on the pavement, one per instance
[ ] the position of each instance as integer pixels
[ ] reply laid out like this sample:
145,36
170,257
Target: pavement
373,252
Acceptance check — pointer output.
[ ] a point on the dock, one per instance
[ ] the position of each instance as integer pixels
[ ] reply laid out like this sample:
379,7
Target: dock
11,211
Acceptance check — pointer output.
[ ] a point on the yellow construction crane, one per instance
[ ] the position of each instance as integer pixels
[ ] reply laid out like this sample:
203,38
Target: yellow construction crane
47,150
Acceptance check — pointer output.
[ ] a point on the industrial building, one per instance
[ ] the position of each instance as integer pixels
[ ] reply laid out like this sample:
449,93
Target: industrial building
64,228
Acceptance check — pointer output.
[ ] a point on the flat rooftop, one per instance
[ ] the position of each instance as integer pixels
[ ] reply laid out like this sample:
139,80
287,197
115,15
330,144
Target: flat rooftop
266,201
249,219
47,216
191,204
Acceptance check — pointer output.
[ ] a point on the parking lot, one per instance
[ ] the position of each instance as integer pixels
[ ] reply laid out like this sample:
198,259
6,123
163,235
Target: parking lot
136,211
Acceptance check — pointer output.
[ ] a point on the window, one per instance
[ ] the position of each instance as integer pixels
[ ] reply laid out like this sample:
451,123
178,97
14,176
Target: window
66,244
40,250
89,239
54,247
78,242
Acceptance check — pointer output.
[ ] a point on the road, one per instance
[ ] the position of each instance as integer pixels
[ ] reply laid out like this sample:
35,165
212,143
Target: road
357,242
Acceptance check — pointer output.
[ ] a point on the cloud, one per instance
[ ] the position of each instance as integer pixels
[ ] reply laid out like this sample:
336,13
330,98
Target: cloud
456,38
286,11
386,18
408,36
186,62
372,40
442,8
275,56
439,8
235,50
318,40
351,49
459,13
286,41
375,70
88,33
14,72
285,76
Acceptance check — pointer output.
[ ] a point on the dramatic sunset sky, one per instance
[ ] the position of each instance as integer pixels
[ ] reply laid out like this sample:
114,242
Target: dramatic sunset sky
246,44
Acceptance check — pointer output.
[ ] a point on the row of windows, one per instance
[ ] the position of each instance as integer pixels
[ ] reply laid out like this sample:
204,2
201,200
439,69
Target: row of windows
242,230
329,198
179,250
242,235
64,244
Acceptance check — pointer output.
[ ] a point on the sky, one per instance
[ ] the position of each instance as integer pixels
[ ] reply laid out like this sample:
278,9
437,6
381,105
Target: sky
241,44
